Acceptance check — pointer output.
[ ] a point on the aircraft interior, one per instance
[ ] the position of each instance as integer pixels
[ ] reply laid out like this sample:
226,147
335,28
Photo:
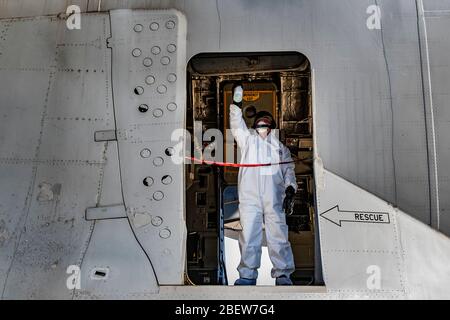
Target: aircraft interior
276,82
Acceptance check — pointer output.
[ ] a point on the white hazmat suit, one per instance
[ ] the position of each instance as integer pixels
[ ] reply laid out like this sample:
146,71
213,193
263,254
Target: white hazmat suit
261,193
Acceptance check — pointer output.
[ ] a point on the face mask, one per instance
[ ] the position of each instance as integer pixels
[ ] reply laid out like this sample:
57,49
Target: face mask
262,131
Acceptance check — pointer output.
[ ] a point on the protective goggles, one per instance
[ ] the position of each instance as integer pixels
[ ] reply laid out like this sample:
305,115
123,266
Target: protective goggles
263,123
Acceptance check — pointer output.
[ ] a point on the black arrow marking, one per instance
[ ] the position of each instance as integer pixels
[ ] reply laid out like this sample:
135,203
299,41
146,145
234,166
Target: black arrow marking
337,216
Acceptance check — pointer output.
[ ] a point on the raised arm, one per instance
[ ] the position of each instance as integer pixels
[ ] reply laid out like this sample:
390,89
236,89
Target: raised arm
238,126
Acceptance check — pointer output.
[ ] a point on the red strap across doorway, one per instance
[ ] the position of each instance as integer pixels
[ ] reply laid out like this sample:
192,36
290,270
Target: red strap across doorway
238,165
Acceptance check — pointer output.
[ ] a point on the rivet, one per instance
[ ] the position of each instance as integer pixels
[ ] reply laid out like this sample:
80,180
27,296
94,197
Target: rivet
154,26
172,77
165,60
136,52
170,24
156,50
158,161
148,181
162,89
139,90
169,151
145,153
158,195
172,106
157,221
147,62
171,48
138,28
143,108
164,233
166,180
150,80
158,112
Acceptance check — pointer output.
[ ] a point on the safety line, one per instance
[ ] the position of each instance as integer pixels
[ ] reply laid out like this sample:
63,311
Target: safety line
240,165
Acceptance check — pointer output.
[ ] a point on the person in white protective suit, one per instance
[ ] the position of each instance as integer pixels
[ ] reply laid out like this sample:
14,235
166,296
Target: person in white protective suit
264,192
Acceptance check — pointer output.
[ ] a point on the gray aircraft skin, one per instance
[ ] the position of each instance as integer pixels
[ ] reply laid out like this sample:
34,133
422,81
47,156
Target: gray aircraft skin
74,151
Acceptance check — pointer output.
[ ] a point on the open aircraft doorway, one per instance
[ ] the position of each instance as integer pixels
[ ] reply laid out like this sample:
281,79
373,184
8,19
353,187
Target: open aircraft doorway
277,82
